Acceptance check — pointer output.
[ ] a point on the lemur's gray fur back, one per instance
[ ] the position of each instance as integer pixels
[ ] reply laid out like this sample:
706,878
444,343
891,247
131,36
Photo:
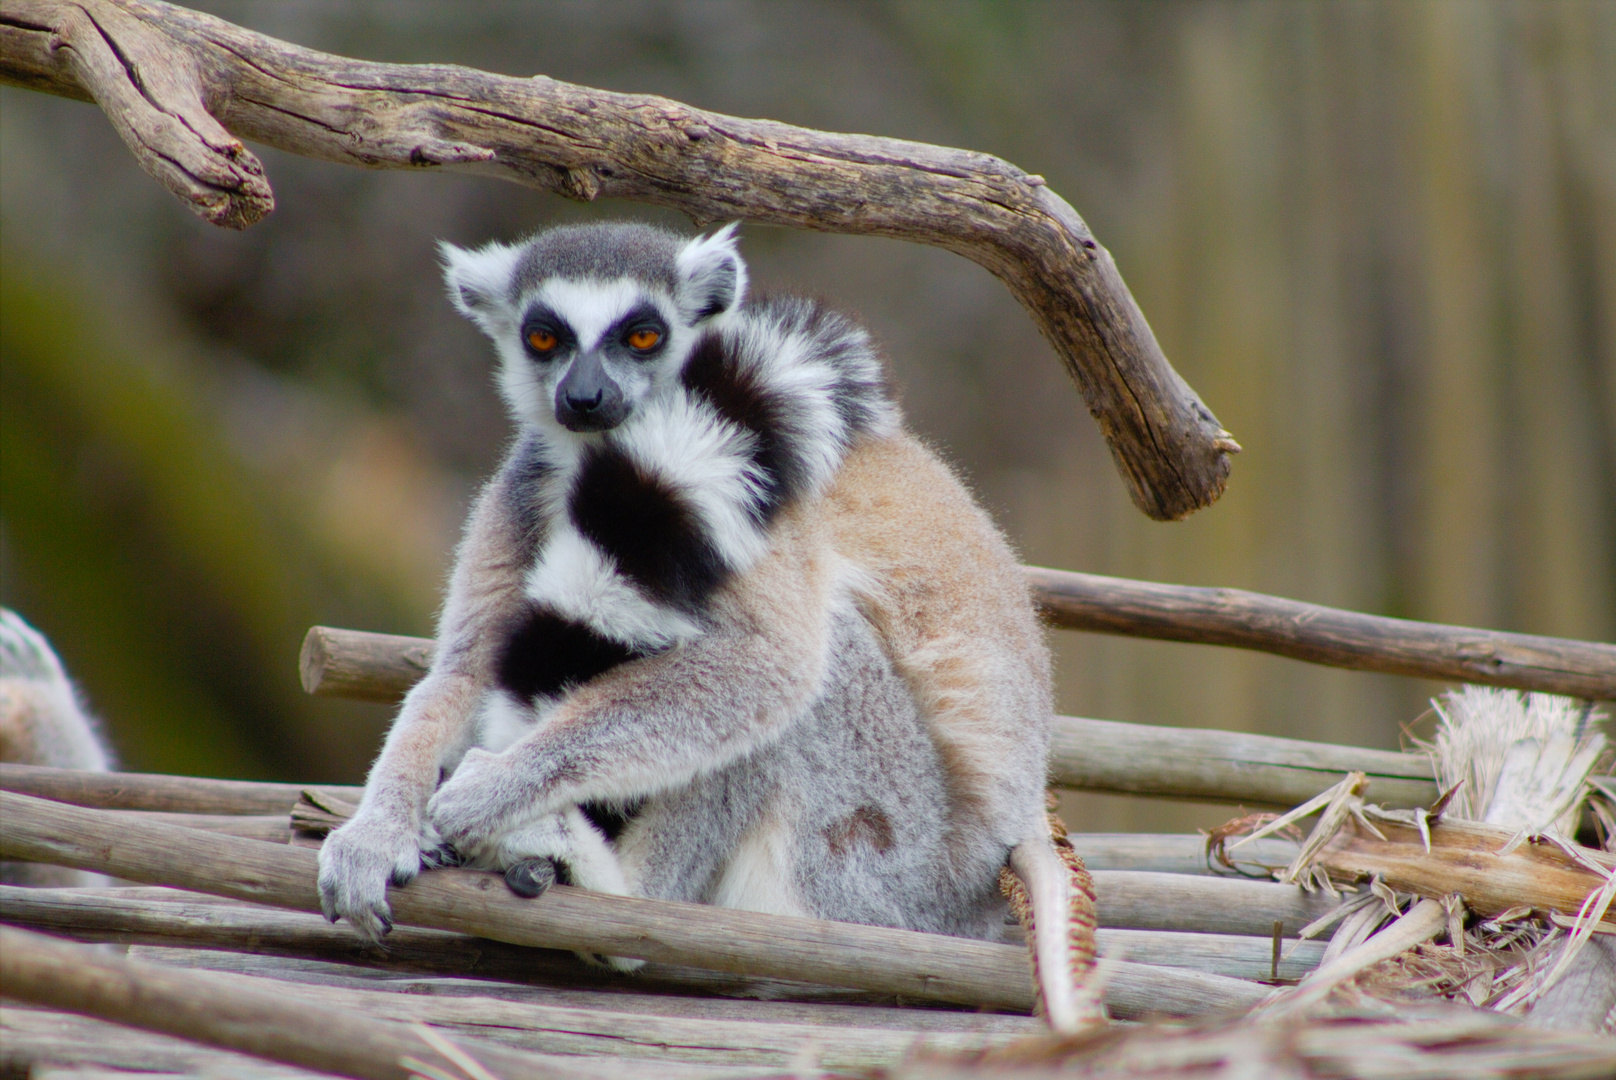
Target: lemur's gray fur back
656,669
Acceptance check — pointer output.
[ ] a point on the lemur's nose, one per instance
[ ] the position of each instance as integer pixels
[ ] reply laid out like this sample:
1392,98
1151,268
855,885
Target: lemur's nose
584,404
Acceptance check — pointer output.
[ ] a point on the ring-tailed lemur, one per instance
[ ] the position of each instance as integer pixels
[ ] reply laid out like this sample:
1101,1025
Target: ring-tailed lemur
42,722
719,630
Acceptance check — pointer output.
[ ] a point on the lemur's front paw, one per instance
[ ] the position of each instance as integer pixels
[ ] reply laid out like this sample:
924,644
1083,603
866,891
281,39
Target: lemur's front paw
357,862
478,804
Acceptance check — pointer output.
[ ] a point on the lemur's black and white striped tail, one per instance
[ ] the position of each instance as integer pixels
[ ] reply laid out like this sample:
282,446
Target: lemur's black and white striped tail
1052,894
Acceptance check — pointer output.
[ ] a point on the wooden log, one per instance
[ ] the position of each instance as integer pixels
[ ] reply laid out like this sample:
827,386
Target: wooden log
918,966
157,792
187,921
1144,901
362,666
650,1037
381,667
627,996
1324,635
219,1010
35,1041
179,86
1257,771
168,917
1172,853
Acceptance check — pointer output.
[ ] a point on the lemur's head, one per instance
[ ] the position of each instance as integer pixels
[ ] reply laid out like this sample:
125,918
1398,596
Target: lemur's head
592,321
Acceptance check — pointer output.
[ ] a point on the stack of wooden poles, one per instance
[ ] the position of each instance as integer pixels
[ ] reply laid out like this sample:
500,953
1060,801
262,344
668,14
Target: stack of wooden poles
224,880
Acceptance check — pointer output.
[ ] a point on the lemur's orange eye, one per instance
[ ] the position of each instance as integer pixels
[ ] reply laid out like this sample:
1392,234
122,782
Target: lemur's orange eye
542,340
644,338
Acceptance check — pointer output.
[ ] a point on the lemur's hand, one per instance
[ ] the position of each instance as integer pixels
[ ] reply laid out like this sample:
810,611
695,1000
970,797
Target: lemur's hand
358,861
484,800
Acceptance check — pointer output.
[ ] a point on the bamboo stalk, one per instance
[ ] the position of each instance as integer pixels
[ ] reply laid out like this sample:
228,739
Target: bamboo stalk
219,1011
918,966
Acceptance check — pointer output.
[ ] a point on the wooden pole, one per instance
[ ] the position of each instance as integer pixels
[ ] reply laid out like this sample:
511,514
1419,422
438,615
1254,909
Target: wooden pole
381,667
1255,771
1324,635
220,1011
922,967
183,88
157,792
189,921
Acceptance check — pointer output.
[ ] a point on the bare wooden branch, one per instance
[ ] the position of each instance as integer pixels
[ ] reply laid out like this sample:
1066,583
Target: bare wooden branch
1323,635
219,1011
918,966
157,792
170,77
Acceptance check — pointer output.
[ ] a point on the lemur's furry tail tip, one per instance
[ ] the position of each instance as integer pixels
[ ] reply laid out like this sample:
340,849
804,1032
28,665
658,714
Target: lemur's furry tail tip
1051,893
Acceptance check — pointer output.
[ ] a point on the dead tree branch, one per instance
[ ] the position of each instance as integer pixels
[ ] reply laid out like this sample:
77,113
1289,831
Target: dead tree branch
180,86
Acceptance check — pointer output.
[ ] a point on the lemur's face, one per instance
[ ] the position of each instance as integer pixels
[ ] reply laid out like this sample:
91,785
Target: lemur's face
592,322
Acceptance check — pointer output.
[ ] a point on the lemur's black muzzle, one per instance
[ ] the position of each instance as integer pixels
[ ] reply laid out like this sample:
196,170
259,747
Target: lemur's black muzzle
588,399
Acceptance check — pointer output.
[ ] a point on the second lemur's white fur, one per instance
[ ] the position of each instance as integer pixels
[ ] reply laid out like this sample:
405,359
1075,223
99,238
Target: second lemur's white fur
719,629
43,722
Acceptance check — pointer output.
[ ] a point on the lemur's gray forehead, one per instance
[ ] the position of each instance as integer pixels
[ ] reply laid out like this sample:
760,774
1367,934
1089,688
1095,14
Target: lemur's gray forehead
609,250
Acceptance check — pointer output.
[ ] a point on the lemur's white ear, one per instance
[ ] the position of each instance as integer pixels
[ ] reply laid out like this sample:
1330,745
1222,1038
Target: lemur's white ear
713,274
478,280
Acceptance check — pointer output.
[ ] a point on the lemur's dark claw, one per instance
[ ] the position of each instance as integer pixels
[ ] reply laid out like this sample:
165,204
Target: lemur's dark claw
441,857
531,877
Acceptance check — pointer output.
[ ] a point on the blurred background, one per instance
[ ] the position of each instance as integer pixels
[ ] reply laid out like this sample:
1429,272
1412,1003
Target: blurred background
1378,238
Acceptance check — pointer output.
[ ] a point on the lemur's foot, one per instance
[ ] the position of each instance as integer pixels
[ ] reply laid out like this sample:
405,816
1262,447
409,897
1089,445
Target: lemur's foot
530,878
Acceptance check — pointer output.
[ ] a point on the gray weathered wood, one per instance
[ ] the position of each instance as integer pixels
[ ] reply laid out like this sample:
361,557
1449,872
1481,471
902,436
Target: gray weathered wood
168,917
1324,635
630,995
364,667
161,793
1231,767
918,966
1144,901
1224,766
231,1013
190,921
606,1032
176,84
381,667
1173,853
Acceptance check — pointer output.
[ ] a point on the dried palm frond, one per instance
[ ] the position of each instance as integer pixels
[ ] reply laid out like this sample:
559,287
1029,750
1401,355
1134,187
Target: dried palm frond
1516,771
